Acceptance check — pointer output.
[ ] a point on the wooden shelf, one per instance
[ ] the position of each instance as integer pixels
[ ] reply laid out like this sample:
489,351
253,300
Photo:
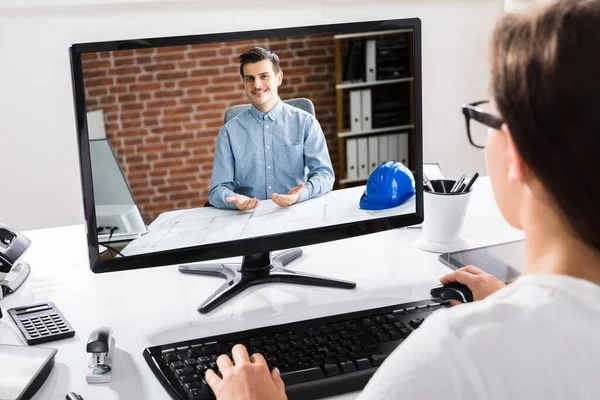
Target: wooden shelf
367,34
353,85
404,86
375,131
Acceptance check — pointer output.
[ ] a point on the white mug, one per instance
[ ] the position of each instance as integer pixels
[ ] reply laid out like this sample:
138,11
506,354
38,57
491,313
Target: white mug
444,214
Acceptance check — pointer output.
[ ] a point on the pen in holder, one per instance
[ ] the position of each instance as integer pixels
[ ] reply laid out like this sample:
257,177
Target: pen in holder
444,214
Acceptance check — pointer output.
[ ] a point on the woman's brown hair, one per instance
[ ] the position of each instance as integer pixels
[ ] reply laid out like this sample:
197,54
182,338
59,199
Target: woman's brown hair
546,84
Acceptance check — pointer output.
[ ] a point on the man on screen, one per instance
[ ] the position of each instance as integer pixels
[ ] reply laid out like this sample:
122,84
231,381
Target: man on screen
272,150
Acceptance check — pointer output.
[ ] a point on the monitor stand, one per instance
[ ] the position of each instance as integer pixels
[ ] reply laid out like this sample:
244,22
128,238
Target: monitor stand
254,270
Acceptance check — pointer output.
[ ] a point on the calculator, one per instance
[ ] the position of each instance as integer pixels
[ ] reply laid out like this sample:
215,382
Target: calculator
41,323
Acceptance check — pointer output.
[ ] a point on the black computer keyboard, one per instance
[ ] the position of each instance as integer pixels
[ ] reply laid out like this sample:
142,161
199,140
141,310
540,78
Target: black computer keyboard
317,358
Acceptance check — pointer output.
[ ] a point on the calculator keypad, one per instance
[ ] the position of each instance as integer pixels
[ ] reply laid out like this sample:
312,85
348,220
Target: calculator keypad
41,323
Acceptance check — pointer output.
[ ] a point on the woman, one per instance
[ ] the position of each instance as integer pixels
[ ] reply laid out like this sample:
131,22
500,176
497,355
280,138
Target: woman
538,338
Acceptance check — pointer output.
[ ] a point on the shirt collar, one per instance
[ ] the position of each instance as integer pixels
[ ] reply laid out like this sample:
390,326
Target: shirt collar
273,114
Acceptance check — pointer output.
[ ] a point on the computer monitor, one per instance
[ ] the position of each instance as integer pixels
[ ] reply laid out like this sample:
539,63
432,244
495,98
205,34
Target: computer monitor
176,111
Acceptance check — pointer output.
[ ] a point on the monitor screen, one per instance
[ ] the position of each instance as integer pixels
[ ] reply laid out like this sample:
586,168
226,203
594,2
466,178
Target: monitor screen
188,155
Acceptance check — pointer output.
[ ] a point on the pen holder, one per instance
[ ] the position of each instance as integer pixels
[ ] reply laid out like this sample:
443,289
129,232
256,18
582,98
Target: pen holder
444,214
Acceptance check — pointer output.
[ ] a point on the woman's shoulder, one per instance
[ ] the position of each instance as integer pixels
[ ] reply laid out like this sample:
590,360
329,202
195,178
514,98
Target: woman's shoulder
531,305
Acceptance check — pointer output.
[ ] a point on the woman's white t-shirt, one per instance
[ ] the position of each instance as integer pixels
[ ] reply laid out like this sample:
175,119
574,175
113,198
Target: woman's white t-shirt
538,338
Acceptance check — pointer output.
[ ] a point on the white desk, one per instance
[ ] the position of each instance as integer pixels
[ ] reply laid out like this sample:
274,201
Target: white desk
158,305
192,227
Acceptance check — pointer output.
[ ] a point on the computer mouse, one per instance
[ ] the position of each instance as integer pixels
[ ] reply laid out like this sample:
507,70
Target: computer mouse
453,291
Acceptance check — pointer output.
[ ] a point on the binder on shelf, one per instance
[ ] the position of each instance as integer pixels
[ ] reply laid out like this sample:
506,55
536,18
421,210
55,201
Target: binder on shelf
366,110
371,60
363,158
355,111
403,148
392,59
346,61
351,159
393,148
373,153
355,52
383,146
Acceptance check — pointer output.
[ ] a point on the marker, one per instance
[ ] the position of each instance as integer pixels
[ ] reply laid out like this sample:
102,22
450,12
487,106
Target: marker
471,182
457,184
427,183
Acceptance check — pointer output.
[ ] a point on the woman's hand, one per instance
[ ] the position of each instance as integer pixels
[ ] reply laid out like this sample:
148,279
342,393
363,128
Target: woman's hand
248,379
480,283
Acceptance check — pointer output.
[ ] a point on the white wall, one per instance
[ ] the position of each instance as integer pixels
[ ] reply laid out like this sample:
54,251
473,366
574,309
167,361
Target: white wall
40,181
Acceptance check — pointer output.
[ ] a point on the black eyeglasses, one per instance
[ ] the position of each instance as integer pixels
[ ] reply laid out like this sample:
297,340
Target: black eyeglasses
477,111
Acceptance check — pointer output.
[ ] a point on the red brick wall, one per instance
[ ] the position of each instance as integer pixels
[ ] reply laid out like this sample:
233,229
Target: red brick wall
163,109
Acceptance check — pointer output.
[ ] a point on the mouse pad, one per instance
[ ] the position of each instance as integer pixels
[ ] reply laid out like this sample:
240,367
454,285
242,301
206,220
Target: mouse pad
504,261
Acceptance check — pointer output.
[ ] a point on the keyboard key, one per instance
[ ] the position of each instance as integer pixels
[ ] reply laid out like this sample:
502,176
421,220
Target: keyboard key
190,378
415,322
399,325
331,369
351,325
191,385
363,363
269,340
378,359
184,372
352,333
394,335
176,365
191,362
201,368
303,375
202,393
392,317
326,330
281,338
382,337
313,332
347,366
404,332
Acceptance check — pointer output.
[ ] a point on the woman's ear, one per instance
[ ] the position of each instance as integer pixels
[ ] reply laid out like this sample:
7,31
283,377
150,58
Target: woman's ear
517,169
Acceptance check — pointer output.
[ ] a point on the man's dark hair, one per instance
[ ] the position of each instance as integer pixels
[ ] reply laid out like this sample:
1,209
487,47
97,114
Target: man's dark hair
545,83
258,54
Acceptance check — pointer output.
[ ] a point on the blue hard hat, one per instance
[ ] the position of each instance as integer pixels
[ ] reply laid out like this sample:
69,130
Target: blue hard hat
390,185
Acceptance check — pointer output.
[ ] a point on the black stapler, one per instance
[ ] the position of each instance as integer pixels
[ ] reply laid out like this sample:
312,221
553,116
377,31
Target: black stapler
101,346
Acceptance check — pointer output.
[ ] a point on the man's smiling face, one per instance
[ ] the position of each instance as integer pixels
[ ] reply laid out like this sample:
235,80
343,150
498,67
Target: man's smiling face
261,83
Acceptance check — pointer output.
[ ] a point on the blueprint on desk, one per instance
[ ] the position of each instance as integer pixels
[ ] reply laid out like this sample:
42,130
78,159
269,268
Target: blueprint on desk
193,227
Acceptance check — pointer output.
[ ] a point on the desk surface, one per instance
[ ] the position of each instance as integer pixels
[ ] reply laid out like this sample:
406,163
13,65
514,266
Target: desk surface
158,305
186,228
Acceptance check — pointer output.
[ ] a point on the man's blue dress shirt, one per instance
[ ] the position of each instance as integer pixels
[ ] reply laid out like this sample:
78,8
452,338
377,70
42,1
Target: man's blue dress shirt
262,153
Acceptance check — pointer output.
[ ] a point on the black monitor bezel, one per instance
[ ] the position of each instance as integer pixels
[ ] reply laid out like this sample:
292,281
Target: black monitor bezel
260,244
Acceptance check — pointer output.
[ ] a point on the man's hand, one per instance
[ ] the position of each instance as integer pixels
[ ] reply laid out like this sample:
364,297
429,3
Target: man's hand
243,202
285,200
480,283
248,379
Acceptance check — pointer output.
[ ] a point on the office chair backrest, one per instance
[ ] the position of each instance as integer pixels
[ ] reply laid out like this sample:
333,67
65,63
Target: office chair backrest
301,103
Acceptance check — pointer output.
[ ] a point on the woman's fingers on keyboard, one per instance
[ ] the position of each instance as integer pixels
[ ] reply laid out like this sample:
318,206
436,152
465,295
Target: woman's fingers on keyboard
213,381
224,363
240,354
258,358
